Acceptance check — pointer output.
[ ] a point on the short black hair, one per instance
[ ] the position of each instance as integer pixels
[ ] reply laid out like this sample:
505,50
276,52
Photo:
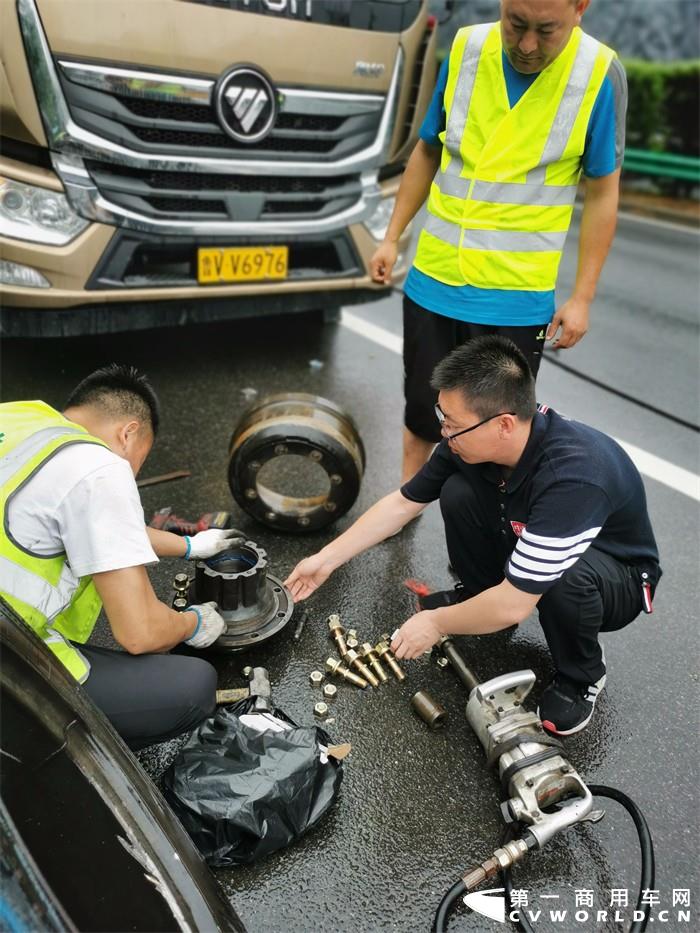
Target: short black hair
492,374
119,391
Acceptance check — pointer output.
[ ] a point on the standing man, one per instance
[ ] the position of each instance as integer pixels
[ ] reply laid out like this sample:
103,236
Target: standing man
73,539
539,512
521,109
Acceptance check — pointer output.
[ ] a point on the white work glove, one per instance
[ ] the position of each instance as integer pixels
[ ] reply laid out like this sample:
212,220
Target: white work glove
209,625
211,542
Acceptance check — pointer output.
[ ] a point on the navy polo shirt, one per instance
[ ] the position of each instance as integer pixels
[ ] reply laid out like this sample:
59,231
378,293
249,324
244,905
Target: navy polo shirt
572,486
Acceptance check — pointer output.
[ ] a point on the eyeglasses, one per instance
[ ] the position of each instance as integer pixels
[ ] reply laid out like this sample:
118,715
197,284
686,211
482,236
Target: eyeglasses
440,415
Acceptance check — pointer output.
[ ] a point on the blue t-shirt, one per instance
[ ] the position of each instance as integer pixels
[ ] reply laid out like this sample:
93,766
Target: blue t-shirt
602,156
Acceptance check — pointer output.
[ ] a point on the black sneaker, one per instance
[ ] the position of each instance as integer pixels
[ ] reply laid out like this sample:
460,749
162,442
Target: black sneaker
443,598
566,707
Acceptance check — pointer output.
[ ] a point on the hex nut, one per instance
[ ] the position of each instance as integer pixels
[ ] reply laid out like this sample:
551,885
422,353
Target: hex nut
352,643
316,678
442,662
247,671
330,691
352,633
321,710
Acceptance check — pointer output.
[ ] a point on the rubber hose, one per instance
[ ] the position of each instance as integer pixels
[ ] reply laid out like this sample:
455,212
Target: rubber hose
648,869
445,906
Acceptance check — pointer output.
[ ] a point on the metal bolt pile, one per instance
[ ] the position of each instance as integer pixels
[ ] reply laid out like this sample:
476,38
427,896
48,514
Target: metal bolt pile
359,664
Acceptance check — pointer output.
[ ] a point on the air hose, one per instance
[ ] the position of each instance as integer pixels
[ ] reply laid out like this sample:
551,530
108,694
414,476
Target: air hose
647,878
445,906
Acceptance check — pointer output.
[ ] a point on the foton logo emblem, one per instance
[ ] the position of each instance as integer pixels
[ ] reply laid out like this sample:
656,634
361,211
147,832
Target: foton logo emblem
246,104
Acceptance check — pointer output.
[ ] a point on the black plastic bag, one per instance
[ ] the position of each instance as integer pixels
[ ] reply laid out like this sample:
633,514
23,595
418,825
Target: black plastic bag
242,793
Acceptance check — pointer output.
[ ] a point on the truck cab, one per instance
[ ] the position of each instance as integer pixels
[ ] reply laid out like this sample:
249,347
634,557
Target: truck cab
192,160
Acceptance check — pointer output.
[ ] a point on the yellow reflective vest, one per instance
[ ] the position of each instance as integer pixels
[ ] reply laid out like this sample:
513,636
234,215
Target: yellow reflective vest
41,589
501,203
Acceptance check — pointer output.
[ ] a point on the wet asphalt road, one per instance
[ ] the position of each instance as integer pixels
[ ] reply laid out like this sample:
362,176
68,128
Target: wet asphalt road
418,808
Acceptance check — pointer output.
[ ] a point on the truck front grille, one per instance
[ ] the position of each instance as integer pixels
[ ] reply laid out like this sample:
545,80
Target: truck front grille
184,128
164,194
136,113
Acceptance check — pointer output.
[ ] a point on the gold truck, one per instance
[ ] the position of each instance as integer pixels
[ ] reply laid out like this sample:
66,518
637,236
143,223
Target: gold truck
176,161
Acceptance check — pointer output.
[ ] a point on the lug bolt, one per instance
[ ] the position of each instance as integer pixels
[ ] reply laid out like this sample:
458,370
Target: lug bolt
442,662
338,669
370,656
316,678
321,710
179,604
316,455
352,633
384,652
353,657
181,581
330,691
338,634
247,672
250,493
280,450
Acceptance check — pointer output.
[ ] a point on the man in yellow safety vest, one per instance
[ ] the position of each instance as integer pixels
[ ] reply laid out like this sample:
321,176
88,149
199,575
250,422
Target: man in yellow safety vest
73,539
522,108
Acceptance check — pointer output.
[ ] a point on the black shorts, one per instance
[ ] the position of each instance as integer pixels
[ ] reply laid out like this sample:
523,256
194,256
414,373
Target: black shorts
427,339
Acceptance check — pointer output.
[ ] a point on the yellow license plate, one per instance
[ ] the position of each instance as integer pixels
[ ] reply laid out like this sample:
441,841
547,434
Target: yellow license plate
241,264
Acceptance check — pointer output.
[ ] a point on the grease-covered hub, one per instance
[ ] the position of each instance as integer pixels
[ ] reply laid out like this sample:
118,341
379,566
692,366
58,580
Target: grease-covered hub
254,604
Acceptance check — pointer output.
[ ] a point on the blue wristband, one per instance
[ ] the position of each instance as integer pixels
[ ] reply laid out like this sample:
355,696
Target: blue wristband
199,621
189,547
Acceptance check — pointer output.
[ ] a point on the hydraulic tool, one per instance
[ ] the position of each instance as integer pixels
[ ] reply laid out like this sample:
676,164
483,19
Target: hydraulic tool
543,793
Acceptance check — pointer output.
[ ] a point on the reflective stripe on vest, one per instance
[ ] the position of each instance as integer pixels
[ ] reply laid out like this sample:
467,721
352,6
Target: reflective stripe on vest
457,117
28,586
502,200
514,242
569,106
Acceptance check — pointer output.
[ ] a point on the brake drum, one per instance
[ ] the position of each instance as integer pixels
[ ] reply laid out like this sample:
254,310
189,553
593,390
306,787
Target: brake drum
296,462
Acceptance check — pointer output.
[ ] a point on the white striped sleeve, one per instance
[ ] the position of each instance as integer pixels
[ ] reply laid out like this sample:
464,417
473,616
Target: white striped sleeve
539,559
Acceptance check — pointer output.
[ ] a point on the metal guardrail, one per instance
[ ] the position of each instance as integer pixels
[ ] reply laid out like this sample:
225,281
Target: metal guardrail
666,164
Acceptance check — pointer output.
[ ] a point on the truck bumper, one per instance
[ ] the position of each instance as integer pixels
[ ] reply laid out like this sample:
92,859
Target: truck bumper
109,280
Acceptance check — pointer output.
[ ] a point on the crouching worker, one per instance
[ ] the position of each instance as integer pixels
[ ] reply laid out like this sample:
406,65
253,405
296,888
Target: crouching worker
73,539
538,511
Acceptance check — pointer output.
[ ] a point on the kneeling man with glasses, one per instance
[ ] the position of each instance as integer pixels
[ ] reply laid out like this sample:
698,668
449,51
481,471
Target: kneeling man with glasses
539,511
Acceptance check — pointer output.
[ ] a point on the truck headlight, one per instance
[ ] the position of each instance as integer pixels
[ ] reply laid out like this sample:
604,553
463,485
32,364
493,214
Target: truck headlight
37,214
379,221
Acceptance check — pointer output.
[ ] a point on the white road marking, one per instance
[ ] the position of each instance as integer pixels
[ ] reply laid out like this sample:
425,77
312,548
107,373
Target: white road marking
658,222
656,468
376,334
650,221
